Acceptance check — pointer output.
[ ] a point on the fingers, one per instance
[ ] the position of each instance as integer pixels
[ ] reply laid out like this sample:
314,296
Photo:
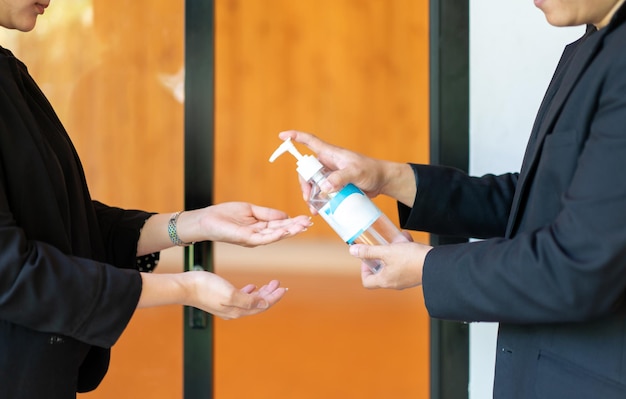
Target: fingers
311,141
403,264
328,154
325,152
279,220
302,220
306,190
269,288
404,236
336,180
273,232
248,289
247,301
272,292
368,277
265,213
241,303
273,297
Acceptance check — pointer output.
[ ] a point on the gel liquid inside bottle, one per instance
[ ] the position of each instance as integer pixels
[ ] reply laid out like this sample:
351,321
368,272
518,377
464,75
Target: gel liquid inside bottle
349,212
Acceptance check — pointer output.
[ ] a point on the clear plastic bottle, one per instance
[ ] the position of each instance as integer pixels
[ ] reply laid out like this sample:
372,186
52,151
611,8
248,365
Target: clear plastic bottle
349,212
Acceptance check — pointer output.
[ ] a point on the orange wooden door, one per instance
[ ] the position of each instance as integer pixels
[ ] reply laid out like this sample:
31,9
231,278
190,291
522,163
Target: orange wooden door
356,74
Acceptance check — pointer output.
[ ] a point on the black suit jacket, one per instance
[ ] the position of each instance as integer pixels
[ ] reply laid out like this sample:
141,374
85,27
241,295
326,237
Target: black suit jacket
62,302
552,267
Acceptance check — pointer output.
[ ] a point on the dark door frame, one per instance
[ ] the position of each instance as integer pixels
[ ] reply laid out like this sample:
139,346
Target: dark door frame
199,160
449,145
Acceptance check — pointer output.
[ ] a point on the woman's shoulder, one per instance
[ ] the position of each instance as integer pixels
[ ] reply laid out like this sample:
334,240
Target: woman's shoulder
9,59
7,55
11,70
6,59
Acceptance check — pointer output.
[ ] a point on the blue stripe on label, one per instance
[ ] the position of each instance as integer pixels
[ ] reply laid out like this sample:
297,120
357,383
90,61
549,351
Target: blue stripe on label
345,192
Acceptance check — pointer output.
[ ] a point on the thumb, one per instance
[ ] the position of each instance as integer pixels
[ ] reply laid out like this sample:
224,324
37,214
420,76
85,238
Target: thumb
363,251
335,181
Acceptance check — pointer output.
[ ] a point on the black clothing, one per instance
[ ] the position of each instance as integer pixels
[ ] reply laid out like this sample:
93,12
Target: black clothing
69,282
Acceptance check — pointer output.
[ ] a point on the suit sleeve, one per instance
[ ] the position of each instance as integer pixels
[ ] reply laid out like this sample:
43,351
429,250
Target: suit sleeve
451,203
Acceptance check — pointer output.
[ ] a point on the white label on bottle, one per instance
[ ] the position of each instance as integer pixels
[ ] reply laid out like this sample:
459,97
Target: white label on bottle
350,213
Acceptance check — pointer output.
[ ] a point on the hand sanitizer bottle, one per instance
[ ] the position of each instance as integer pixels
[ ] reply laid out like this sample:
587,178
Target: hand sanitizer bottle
350,213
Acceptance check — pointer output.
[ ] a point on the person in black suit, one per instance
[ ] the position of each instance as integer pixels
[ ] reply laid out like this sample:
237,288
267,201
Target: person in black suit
551,267
73,270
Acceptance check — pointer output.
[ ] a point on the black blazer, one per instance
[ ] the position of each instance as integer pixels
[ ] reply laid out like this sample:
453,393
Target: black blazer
552,267
67,290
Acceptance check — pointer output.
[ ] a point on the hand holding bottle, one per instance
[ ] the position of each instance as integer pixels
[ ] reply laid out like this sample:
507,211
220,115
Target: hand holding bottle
403,264
372,176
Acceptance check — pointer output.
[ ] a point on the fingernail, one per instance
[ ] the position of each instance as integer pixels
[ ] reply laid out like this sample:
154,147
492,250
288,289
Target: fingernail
326,187
262,305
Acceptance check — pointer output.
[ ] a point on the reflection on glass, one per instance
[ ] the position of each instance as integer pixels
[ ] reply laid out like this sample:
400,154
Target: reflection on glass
113,70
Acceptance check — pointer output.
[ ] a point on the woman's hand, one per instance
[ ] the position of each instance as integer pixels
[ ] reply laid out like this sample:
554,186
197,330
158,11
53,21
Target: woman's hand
217,296
248,225
402,264
208,292
238,223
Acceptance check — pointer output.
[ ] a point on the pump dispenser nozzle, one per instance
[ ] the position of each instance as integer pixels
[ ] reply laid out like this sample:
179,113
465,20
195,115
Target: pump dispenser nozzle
286,146
308,165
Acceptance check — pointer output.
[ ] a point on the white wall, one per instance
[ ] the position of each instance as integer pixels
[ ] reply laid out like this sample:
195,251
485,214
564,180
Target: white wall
513,53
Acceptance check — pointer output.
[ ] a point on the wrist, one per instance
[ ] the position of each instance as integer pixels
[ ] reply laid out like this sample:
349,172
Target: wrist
165,289
186,283
399,182
180,228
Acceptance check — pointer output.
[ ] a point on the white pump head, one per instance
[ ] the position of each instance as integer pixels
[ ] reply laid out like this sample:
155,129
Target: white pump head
308,165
